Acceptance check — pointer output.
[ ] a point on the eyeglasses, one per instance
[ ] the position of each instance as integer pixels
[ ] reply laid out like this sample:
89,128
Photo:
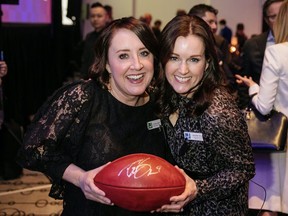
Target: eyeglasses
271,17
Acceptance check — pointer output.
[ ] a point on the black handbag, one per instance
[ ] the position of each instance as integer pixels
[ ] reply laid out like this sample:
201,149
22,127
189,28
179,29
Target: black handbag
269,132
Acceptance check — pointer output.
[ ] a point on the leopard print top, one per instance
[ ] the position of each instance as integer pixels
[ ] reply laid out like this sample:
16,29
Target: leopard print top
215,150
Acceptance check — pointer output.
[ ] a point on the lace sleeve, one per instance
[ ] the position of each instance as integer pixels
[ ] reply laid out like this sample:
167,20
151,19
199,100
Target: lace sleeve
50,142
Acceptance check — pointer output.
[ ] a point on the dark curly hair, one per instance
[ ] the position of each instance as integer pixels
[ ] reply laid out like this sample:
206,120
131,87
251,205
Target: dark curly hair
213,77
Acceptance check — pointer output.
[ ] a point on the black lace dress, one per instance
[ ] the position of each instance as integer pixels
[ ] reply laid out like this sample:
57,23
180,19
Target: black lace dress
214,149
85,125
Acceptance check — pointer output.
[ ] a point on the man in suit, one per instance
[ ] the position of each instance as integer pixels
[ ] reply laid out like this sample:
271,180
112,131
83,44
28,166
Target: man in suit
10,137
99,18
254,48
209,15
3,72
225,31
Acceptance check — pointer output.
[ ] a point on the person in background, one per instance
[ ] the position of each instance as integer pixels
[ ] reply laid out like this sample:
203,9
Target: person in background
146,18
225,31
205,130
241,36
180,12
109,10
10,135
209,15
254,48
157,28
3,72
89,123
272,168
99,18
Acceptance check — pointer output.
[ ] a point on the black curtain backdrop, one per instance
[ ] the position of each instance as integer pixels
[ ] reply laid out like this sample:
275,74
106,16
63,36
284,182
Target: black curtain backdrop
15,2
38,58
29,57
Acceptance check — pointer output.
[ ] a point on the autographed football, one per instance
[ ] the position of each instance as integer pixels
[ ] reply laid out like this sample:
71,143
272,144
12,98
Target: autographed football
140,182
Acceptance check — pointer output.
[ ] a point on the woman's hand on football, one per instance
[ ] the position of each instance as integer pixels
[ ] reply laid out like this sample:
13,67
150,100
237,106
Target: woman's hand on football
179,202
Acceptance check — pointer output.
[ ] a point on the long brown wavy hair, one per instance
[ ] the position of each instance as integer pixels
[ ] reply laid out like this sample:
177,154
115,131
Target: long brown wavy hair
213,77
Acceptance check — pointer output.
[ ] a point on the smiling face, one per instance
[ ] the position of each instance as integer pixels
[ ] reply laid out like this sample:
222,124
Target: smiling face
130,65
186,65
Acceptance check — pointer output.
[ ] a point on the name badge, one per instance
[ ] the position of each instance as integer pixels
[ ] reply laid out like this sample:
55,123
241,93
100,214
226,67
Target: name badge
153,124
193,136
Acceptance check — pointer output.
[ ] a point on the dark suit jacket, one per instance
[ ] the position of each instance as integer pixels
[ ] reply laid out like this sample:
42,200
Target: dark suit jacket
253,54
223,45
88,55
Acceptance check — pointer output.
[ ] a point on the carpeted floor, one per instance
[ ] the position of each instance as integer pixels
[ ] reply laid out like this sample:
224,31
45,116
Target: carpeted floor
28,195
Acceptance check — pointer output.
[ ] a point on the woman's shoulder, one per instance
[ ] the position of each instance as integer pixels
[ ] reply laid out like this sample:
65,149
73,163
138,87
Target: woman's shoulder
224,111
72,94
276,57
76,90
222,95
222,102
279,47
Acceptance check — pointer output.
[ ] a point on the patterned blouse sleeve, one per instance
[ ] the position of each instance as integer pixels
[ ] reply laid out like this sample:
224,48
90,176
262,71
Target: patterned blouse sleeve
51,141
230,151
